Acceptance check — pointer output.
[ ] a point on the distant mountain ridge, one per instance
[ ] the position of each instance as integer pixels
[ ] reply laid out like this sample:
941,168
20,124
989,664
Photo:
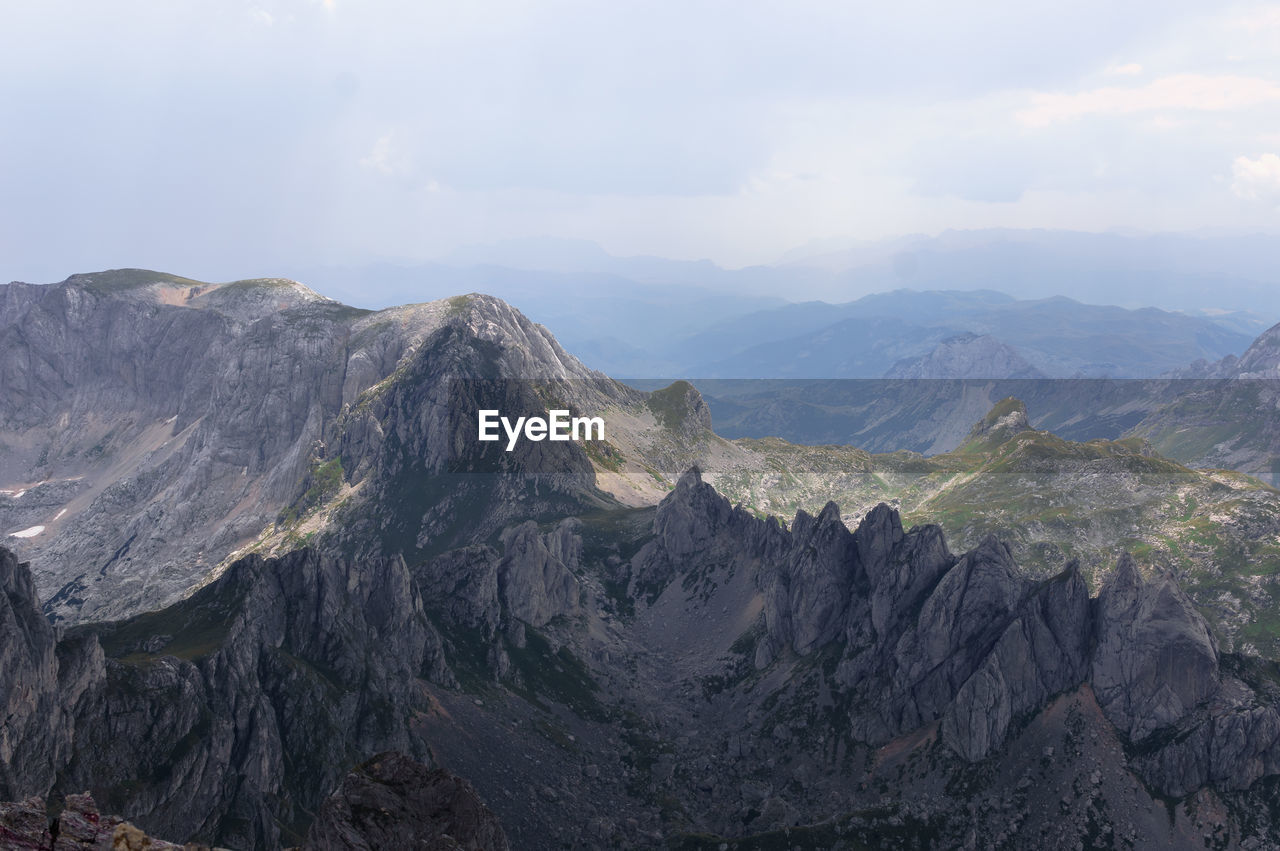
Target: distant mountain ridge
648,317
1235,273
1058,336
967,355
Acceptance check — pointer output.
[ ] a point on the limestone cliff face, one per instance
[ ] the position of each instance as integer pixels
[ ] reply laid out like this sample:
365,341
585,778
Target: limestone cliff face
230,716
37,730
1156,660
536,576
154,425
1159,678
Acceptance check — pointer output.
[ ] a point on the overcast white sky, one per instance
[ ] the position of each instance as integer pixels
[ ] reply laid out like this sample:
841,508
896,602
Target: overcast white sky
227,138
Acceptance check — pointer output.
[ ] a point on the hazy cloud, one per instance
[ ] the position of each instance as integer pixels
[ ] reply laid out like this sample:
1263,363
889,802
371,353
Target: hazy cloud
381,158
1259,20
195,137
1257,179
1177,92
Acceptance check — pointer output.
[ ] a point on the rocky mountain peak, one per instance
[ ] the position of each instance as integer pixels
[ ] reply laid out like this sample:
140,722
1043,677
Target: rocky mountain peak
690,480
680,407
1007,417
1126,578
830,513
529,349
1262,358
171,422
879,532
691,515
1156,659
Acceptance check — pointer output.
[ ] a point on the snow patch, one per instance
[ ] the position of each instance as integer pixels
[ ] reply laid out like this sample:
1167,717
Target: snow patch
28,533
14,494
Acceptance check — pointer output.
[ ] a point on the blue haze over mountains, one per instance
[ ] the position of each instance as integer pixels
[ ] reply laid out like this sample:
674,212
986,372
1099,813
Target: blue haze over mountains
1072,304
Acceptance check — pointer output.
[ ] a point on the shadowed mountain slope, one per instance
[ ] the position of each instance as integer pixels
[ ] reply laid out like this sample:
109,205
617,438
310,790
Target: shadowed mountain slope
711,674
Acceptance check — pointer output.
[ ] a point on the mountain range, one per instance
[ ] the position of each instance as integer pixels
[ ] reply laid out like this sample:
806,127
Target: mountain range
255,544
649,317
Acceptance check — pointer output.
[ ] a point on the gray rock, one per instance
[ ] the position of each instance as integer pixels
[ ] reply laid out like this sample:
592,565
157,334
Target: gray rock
392,802
1156,660
973,643
275,673
536,574
79,825
1042,652
176,421
35,693
462,584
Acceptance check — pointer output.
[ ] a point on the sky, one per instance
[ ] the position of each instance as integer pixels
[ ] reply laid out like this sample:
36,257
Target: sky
231,138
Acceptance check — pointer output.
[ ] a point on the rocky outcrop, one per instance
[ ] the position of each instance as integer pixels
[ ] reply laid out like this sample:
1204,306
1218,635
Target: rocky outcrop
1006,417
807,595
691,526
533,579
901,569
392,802
29,698
1156,660
1232,742
462,586
1043,651
1159,678
79,825
41,681
972,641
691,518
536,574
283,670
681,408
